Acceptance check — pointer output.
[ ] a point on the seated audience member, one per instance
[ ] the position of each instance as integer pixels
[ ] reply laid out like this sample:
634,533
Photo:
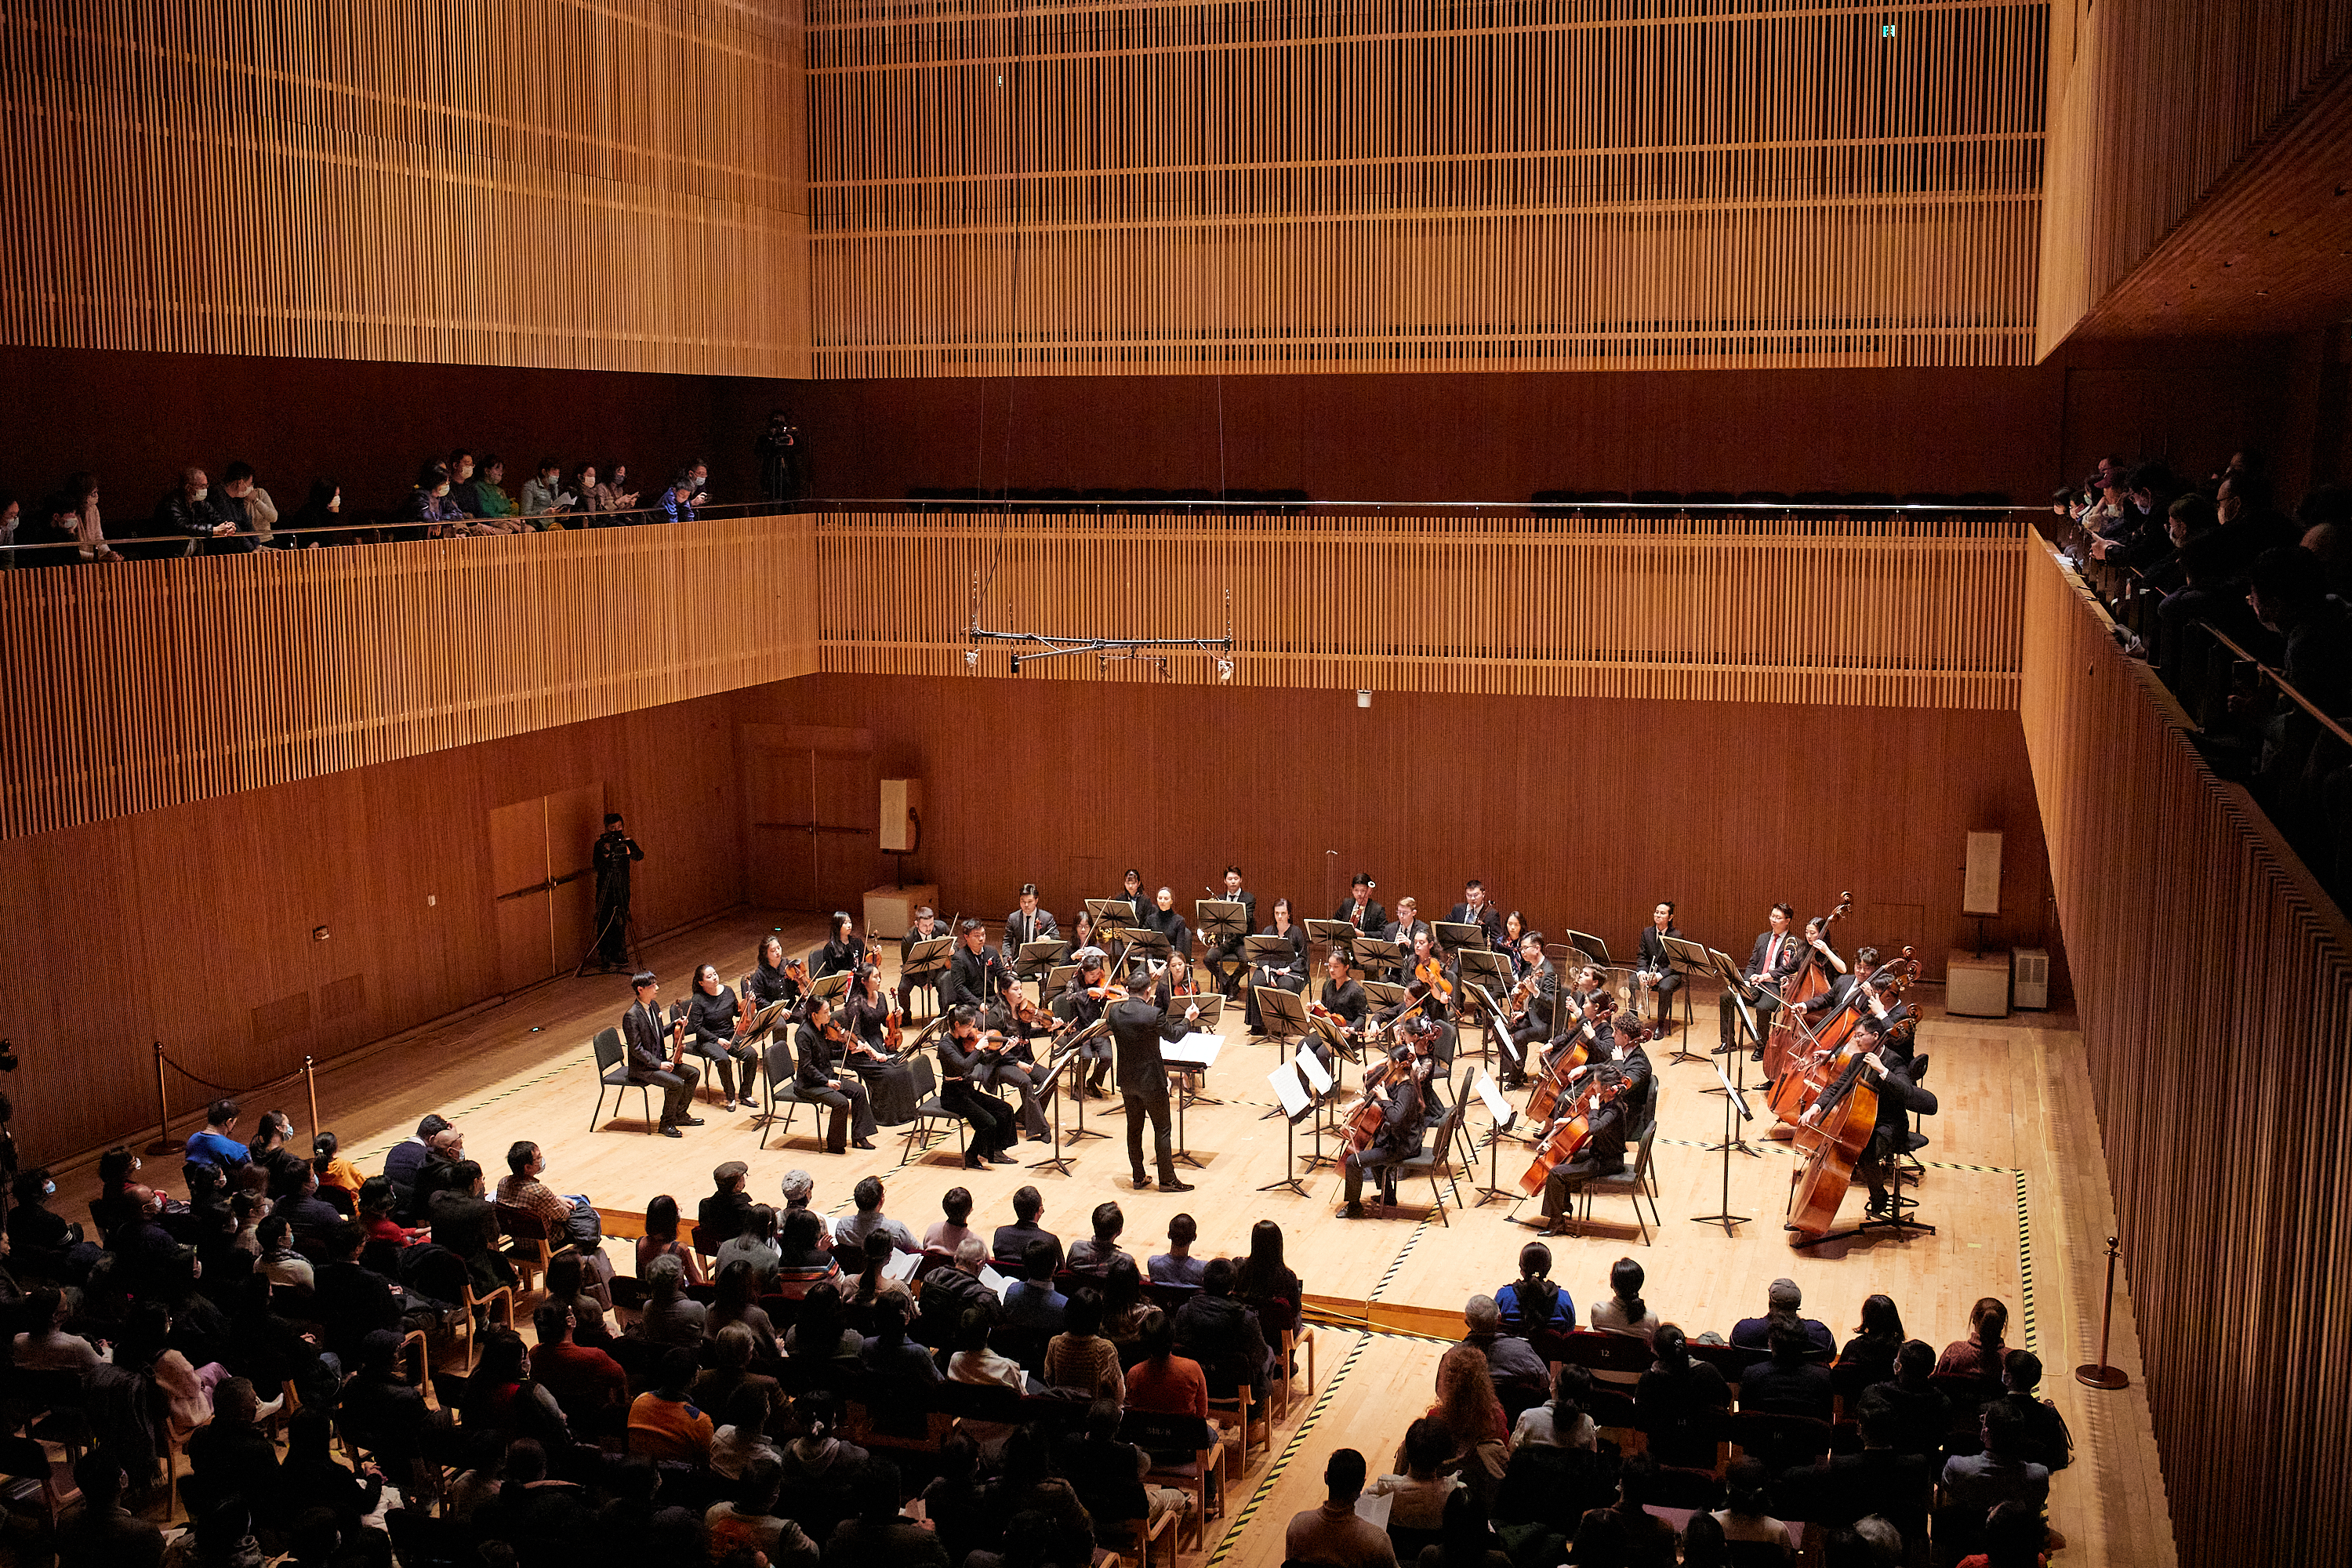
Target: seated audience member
310,1477
100,1532
42,1242
1749,1519
216,1146
803,1261
1780,1309
1680,1403
1123,1303
1646,1539
1217,1330
664,1424
1177,1266
2046,1441
869,1220
975,1362
800,1192
569,1285
2014,1537
377,1199
1465,1537
503,1396
246,504
821,1467
464,1223
302,1208
1869,1356
669,1317
951,1292
279,1263
48,1347
1998,1475
661,1240
1009,1246
589,1385
1264,1283
1108,1474
1704,1545
1079,1358
957,1503
1466,1406
1163,1380
741,1436
1030,1302
334,1169
543,495
754,1246
1918,1412
879,1536
230,1456
1791,1383
1510,1360
350,1298
1332,1533
571,1218
1093,1254
188,509
735,1299
821,1334
444,1152
749,1520
722,1216
407,1157
1622,1310
947,1235
1843,1488
1417,1498
1979,1355
729,1355
888,1352
1562,1422
1532,1301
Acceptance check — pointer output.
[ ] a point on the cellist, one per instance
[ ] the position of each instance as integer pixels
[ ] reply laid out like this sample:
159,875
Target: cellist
1617,1058
1539,985
1899,1096
1402,1100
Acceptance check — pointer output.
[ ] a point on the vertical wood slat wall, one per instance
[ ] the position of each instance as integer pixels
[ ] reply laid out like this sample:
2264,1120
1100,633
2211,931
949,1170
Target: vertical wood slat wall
604,184
1116,188
2214,982
128,689
2150,104
1815,611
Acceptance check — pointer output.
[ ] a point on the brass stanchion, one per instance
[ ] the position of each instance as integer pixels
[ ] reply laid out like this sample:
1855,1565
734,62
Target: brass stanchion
2100,1375
162,1144
310,1082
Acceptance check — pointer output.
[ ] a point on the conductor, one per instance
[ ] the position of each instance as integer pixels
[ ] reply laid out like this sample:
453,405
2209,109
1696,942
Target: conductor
1138,1023
614,851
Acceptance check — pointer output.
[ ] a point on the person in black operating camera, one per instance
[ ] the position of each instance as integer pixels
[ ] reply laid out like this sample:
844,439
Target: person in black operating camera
613,854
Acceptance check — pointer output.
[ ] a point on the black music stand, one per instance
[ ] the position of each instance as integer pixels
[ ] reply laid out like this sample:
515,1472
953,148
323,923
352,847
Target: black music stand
1184,1067
1455,936
1489,974
1053,1085
1325,1085
1368,950
1036,960
930,958
830,987
1503,1115
1216,921
1331,933
1292,1103
1733,1096
1057,980
1745,1025
1113,914
1382,994
1283,1014
1592,946
1689,960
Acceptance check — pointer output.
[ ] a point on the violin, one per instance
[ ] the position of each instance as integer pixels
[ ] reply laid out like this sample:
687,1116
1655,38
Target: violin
1567,1136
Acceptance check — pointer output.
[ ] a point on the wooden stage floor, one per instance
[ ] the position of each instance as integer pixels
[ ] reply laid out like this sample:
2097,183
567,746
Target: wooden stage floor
2015,1184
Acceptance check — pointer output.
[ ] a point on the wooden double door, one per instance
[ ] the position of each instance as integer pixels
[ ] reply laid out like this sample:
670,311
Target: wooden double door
811,795
543,882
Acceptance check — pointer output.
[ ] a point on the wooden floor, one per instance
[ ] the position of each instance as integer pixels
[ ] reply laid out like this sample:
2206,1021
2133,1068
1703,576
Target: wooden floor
2015,1185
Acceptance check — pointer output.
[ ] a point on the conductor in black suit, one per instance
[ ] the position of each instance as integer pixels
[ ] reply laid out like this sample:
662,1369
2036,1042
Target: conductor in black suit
1225,960
641,1031
1362,910
1137,1025
1656,961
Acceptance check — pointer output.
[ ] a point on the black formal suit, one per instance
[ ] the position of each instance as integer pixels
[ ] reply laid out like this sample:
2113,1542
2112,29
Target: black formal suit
1769,963
1899,1096
978,978
1288,972
1654,957
643,1032
1535,1026
1347,999
820,1066
1399,1139
1370,918
908,982
1225,960
1487,918
1019,929
1613,1126
1137,1027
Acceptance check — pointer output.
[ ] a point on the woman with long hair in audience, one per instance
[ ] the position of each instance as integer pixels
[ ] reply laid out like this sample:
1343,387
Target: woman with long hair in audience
321,511
660,1240
502,1396
821,1334
1877,1340
1123,1304
1466,1405
736,1299
1979,1355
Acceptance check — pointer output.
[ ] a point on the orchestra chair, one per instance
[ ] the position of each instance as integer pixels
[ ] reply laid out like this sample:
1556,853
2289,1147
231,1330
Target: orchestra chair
1133,1539
612,1073
1432,1163
929,1111
782,1088
1634,1182
1293,1341
26,1476
1229,1393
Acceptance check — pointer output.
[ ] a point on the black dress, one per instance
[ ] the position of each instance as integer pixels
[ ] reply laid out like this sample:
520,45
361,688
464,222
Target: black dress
890,1085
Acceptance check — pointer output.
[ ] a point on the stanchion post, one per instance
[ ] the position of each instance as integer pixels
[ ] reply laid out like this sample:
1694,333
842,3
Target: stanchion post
310,1082
162,1144
2101,1374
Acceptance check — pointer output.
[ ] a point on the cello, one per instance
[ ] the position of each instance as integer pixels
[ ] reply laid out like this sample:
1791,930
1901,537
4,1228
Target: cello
1844,1118
1780,1043
1546,1095
1567,1138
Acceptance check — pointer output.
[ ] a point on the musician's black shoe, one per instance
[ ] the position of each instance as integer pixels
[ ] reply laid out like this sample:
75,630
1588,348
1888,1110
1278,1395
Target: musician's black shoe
974,1163
1143,1183
1175,1187
861,1142
670,1130
1756,1055
1000,1157
689,1122
1353,1211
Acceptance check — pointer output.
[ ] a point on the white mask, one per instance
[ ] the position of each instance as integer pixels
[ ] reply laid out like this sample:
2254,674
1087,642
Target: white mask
203,493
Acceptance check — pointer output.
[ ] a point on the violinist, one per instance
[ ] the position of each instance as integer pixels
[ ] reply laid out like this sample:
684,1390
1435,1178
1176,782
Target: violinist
1515,932
1362,910
963,1054
711,1015
1532,998
1082,932
1288,973
1014,1062
1025,925
1130,891
1342,999
1226,964
870,1018
775,978
650,1061
1404,1100
1899,1095
1082,1005
926,928
820,1045
1656,964
977,976
1776,956
1138,1023
1618,1070
843,952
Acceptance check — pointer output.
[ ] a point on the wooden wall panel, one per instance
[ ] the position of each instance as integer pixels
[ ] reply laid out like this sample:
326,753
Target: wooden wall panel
2149,106
2214,982
181,924
1886,614
132,687
616,185
1118,189
1583,811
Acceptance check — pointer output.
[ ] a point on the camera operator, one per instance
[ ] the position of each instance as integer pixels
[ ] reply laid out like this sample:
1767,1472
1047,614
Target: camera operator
782,476
614,853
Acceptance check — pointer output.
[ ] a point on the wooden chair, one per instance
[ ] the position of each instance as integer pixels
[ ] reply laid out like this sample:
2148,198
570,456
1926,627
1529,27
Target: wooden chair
501,1298
1164,1437
1293,1341
26,1476
1782,1442
529,1246
612,1073
1230,1374
1135,1537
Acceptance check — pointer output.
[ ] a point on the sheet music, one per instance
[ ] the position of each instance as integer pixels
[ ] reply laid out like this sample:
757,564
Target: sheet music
994,1281
1311,1064
1193,1051
901,1265
1491,1096
1289,1090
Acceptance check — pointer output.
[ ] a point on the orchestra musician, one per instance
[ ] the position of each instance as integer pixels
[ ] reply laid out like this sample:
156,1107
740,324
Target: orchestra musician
1842,989
1362,910
1403,1103
1899,1095
1161,916
819,1045
1776,956
1138,1023
1620,1061
1081,1006
1533,995
1587,996
963,1053
1343,998
926,928
1130,891
772,979
1226,964
1657,964
1289,975
650,1061
977,976
1015,1063
1082,931
1477,910
1406,930
867,1015
843,952
711,1015
1026,924
1515,932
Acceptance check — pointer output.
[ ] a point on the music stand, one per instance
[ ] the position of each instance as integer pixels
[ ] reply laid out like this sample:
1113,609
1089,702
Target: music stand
1310,1068
1594,950
1488,974
1053,1087
1188,1061
1365,952
1454,936
1736,983
1501,1113
926,961
1057,980
1733,1097
1689,960
1216,921
763,1020
830,988
1035,958
1093,1031
1293,1103
1112,914
1331,933
1383,993
1283,1015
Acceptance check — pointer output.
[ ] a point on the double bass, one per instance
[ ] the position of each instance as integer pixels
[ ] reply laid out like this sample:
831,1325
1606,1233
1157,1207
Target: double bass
1807,982
1808,1076
1844,1118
